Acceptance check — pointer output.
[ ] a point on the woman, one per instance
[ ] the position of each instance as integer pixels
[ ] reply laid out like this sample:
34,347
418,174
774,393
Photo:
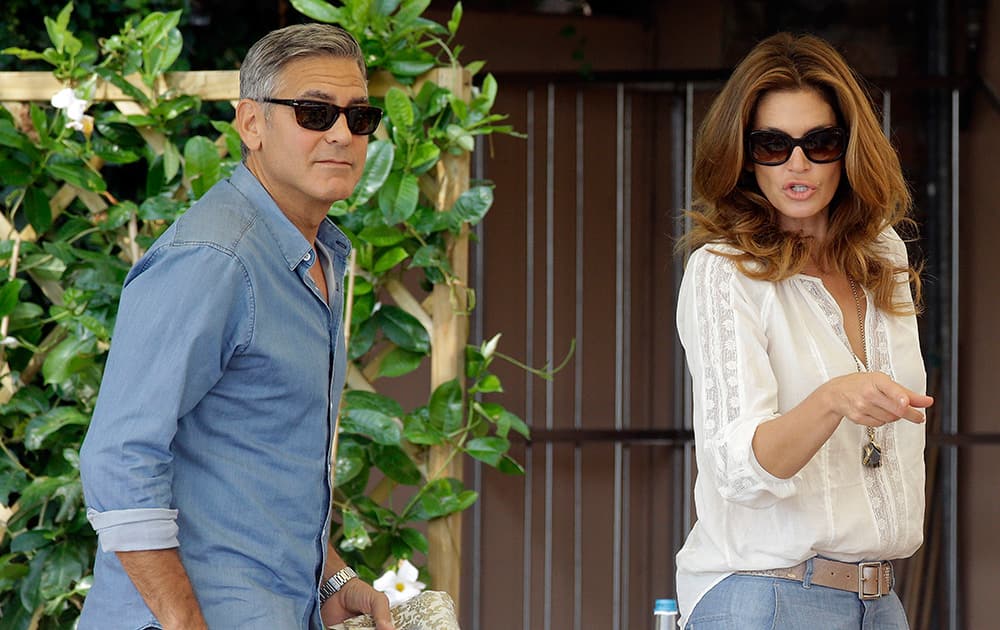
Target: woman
800,331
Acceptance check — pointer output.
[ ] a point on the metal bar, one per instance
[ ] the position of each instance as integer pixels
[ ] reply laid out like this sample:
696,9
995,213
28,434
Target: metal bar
529,344
616,592
654,437
478,285
951,456
626,347
578,376
550,155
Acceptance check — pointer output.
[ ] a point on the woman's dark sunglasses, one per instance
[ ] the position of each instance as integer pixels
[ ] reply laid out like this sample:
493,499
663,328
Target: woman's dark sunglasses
771,148
362,120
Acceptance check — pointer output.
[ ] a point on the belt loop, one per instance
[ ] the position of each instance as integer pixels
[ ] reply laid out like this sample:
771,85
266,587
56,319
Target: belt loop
808,577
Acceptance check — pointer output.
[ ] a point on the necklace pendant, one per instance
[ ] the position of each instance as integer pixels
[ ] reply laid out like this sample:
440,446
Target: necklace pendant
871,455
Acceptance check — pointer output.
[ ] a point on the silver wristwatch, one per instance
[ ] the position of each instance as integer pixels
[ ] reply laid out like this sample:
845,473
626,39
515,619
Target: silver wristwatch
335,583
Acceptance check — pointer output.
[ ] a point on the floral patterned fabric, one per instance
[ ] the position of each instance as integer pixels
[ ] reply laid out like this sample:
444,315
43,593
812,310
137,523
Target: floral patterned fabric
430,610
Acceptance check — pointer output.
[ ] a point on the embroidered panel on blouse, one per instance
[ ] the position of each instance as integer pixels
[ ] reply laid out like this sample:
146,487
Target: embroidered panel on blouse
719,359
883,485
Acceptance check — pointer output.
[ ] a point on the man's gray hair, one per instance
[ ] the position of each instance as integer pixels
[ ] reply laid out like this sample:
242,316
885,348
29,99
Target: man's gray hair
268,56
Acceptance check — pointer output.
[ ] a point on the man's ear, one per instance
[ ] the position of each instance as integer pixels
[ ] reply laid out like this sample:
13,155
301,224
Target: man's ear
250,122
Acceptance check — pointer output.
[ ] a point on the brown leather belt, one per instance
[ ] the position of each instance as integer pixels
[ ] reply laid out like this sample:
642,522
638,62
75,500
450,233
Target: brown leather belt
870,580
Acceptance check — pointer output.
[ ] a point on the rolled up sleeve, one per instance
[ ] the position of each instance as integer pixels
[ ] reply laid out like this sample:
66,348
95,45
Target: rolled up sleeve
174,334
735,387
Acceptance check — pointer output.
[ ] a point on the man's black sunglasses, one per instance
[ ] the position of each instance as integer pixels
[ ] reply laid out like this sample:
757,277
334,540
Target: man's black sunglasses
362,120
771,148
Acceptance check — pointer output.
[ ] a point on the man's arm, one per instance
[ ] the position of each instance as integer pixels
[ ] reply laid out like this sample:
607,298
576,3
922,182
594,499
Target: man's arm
356,597
160,578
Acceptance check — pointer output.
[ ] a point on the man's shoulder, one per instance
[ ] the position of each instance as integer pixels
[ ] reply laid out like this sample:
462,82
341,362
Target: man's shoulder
221,218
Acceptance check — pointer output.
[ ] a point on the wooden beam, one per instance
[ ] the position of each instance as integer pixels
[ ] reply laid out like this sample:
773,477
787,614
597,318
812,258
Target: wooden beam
448,341
209,85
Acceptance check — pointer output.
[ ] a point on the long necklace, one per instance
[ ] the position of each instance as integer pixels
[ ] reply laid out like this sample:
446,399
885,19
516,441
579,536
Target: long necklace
871,454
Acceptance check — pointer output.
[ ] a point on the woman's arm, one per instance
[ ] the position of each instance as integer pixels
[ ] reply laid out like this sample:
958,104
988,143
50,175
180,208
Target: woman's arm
785,444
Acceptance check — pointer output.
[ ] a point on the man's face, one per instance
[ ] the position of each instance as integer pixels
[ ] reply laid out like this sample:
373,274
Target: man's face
305,171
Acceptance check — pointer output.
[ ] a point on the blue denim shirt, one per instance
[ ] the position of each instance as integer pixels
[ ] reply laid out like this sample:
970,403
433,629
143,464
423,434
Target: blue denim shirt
213,424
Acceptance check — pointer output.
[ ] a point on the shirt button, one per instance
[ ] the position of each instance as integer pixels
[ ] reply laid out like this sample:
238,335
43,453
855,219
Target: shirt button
308,256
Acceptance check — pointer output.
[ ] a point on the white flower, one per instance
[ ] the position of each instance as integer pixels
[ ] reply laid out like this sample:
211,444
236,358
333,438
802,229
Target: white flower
74,108
401,584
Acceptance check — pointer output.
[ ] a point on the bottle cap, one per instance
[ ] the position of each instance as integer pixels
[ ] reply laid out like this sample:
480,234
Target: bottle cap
665,606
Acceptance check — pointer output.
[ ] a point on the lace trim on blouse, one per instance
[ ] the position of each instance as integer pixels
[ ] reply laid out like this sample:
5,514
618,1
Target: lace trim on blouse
720,372
883,485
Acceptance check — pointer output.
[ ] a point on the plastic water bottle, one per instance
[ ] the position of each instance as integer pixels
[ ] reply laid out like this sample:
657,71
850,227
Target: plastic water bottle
665,614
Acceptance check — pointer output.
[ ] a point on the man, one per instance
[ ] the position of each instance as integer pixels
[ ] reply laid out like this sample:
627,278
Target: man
206,468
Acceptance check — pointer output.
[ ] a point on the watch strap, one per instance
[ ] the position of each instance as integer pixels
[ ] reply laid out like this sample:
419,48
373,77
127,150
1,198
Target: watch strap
335,583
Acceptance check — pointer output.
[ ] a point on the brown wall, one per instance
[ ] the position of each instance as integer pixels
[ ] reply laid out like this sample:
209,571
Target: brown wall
979,233
513,510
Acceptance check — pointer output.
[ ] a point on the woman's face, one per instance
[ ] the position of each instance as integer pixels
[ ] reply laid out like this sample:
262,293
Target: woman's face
799,189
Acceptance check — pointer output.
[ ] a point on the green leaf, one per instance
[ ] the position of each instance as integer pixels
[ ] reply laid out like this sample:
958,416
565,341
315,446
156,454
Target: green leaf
441,497
378,165
37,209
9,296
357,399
430,255
375,425
396,464
411,10
171,161
348,467
355,535
233,139
41,427
201,164
385,7
410,67
43,266
72,355
424,157
399,108
362,339
446,406
487,385
403,329
78,174
381,236
40,122
488,449
398,198
504,419
399,362
418,430
414,538
318,10
15,173
456,18
487,94
473,204
509,466
389,259
64,566
30,591
11,137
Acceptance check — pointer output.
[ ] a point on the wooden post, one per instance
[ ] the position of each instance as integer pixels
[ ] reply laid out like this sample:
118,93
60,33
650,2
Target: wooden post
450,335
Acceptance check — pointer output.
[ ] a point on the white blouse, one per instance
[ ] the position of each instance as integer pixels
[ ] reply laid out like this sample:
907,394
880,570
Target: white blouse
755,350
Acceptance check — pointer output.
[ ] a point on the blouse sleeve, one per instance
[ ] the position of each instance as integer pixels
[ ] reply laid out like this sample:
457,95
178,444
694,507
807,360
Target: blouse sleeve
735,390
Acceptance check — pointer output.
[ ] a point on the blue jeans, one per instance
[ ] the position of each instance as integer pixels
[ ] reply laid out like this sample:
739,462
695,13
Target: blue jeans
750,602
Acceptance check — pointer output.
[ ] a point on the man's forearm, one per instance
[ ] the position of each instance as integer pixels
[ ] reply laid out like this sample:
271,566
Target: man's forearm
160,578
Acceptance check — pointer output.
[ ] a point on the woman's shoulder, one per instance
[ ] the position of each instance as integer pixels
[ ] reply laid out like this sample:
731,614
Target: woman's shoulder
890,246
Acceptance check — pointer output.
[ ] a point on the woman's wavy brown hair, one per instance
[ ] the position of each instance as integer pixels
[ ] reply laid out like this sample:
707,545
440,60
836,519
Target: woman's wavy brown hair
872,196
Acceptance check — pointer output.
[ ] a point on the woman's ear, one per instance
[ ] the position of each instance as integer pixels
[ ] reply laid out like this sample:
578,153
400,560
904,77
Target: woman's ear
250,123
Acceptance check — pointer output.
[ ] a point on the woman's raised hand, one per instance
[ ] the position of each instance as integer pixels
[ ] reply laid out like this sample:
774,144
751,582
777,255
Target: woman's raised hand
873,399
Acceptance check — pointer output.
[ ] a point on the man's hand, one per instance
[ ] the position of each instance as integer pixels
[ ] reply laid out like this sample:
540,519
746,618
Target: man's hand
355,598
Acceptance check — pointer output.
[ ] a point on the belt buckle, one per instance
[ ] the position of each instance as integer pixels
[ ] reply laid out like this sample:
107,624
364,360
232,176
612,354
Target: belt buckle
862,594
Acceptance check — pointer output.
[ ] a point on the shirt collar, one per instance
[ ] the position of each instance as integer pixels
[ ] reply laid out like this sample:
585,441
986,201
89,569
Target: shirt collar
293,246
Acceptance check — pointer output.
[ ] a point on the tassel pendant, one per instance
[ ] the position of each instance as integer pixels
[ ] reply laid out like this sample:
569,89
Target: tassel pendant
871,455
